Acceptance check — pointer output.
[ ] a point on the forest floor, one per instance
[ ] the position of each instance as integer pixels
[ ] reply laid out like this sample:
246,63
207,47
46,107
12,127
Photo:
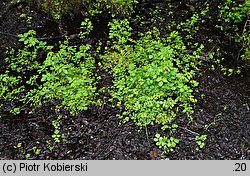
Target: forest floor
222,113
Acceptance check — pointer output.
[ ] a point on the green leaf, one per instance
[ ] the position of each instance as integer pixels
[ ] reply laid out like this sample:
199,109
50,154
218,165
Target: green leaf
56,132
157,135
160,83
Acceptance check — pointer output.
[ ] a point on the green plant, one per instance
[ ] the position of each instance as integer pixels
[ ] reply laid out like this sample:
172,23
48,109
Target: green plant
36,150
166,143
68,77
51,147
86,28
119,31
200,141
19,145
231,11
65,75
150,83
152,78
15,111
231,14
27,156
20,65
27,18
57,136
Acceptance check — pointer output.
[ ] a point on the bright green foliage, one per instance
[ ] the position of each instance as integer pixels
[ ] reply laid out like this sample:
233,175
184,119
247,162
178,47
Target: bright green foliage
57,136
119,31
20,64
65,75
36,150
153,78
200,140
86,28
165,143
233,13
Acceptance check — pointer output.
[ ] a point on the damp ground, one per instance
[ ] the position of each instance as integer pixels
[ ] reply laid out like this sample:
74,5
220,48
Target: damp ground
222,111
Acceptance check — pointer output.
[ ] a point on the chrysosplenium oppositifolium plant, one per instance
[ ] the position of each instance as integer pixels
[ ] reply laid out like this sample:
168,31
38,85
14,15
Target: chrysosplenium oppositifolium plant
65,75
234,14
153,77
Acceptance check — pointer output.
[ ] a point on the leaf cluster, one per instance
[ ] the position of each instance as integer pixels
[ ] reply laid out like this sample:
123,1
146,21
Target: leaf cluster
153,78
65,75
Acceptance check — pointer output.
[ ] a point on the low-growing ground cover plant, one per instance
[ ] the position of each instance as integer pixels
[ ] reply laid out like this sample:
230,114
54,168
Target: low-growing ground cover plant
153,78
65,75
38,73
152,72
231,14
230,20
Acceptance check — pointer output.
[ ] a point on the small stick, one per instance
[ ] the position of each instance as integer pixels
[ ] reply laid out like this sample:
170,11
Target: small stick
12,35
190,131
43,38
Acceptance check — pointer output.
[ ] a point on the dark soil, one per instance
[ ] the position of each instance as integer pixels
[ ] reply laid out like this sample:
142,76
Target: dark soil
223,114
222,111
